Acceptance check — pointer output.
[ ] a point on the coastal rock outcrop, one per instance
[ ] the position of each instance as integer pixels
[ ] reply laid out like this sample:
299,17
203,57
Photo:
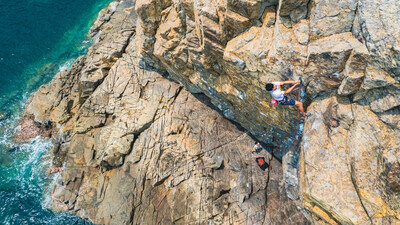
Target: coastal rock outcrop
139,148
347,50
166,157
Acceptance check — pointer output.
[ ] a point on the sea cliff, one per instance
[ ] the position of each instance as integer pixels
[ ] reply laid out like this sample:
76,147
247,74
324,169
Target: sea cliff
156,123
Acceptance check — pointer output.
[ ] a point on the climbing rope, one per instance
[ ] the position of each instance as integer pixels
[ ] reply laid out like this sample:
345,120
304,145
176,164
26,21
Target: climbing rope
298,116
298,122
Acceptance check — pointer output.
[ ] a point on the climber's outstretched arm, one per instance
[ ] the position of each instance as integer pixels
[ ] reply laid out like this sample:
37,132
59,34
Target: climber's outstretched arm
290,82
290,89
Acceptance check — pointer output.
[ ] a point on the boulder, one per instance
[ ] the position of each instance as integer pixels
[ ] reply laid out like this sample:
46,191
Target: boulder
345,151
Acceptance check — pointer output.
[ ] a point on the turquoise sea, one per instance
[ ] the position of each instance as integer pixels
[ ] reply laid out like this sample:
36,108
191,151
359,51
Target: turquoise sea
38,38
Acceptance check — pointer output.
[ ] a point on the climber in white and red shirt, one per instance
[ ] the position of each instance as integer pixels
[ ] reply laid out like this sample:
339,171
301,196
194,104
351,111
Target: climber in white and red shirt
275,90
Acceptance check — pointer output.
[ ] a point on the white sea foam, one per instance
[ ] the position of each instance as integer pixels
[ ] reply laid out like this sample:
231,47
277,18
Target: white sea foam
47,199
28,161
66,65
85,44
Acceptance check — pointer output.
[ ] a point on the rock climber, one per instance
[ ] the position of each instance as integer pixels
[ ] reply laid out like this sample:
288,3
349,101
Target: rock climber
259,159
257,148
280,96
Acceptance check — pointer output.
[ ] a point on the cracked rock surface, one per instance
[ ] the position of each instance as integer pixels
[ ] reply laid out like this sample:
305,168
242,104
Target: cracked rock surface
166,157
138,148
349,163
345,49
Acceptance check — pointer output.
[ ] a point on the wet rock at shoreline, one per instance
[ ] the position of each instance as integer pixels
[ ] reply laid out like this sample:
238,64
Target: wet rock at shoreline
31,129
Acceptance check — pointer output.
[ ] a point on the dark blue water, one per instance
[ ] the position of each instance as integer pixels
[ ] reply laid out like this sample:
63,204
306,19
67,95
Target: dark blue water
38,38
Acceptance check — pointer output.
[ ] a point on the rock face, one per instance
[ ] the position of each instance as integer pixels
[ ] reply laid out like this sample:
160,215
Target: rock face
138,148
349,156
213,48
350,49
229,50
166,157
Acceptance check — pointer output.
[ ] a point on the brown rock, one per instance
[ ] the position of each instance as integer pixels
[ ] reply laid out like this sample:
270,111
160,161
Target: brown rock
391,117
140,149
376,78
342,145
167,168
31,129
302,32
295,9
332,17
268,16
54,169
327,59
381,34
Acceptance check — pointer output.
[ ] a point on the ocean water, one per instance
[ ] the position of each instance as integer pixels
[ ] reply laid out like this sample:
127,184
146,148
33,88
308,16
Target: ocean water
38,38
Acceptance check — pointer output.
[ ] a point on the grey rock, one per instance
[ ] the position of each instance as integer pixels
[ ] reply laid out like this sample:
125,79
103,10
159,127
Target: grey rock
302,32
376,78
380,33
332,17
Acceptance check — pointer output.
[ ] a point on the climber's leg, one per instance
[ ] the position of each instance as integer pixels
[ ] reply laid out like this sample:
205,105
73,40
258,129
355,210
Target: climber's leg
289,101
300,106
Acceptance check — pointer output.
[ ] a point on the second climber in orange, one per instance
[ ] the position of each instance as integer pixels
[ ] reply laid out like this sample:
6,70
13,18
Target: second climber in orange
280,97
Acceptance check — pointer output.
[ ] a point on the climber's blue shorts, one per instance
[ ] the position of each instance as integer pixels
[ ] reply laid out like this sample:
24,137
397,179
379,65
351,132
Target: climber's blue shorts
287,101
